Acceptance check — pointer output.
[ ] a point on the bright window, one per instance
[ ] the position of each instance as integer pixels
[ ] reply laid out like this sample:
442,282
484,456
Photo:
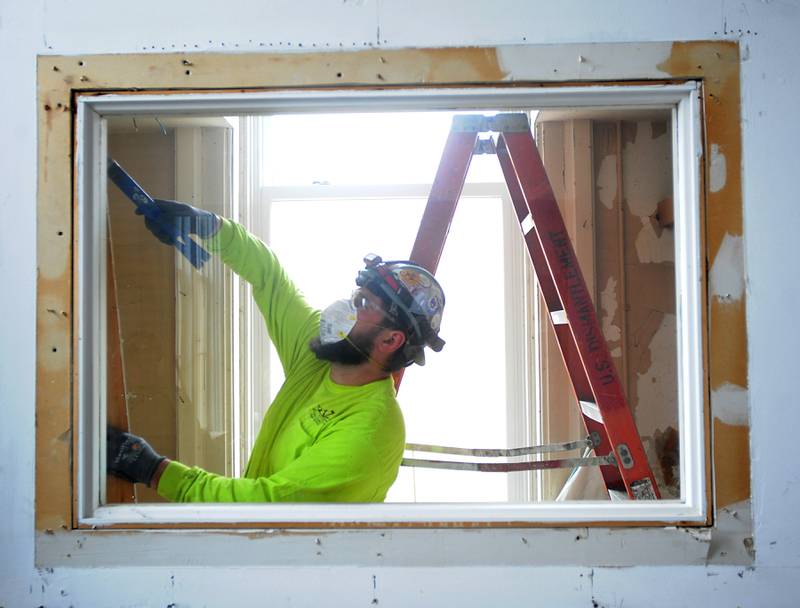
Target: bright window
314,205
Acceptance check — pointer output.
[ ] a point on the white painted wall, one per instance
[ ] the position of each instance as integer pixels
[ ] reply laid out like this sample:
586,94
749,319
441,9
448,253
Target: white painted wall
767,30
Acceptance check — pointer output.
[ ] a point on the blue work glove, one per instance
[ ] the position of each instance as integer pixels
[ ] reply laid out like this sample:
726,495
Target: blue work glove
130,457
178,219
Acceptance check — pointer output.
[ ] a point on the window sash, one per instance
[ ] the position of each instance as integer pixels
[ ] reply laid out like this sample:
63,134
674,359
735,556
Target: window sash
683,101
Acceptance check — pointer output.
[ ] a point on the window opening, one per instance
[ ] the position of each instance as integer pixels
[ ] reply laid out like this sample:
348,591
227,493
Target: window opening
218,330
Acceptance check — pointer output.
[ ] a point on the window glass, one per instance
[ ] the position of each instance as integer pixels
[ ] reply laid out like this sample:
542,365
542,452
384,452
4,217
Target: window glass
374,148
458,397
183,361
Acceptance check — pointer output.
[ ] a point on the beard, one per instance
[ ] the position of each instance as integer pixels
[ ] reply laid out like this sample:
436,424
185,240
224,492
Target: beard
355,350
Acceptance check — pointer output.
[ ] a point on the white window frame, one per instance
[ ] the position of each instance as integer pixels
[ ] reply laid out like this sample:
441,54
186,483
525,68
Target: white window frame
684,102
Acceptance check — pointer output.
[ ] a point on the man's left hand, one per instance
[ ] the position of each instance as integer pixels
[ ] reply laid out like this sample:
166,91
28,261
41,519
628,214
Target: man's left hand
130,457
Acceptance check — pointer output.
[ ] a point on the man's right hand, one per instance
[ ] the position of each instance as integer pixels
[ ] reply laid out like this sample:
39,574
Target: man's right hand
179,219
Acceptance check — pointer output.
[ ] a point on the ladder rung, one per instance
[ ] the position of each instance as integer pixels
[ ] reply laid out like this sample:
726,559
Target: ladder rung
590,409
527,224
501,452
559,317
507,467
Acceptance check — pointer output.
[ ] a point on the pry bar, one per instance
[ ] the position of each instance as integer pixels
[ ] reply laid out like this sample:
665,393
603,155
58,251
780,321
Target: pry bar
193,252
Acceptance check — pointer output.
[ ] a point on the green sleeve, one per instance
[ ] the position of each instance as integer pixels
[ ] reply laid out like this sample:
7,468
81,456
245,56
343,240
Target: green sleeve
290,321
344,465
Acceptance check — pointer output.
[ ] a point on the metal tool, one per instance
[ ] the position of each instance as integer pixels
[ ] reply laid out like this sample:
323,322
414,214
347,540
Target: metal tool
193,252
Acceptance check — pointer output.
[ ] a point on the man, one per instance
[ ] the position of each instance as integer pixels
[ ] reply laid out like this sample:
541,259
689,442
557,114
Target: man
335,431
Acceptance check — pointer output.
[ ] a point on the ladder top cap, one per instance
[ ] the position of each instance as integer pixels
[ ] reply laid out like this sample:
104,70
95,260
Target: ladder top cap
516,122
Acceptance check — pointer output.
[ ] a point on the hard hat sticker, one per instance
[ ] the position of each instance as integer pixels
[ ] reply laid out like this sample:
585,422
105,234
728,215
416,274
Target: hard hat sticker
413,279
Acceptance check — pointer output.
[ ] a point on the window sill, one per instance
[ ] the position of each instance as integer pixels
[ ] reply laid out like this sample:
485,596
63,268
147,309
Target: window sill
390,515
405,547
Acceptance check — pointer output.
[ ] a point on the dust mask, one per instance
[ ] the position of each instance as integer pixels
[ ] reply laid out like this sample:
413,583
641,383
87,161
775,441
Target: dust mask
337,321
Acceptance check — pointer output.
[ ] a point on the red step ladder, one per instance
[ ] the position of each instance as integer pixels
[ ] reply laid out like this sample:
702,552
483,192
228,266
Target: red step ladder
605,410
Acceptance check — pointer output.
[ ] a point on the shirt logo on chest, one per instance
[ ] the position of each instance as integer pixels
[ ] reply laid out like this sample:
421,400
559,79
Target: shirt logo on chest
319,414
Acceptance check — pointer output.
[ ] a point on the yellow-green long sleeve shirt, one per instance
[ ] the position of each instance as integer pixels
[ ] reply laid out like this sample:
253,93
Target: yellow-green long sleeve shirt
320,441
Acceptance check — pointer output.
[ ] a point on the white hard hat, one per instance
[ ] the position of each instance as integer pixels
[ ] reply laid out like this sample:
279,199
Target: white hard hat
412,297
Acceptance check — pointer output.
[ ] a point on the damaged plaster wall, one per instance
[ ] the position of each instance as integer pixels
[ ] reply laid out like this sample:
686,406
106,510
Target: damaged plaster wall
632,165
766,32
649,295
623,169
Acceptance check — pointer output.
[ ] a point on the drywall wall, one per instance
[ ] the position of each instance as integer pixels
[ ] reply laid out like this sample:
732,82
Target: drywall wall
769,87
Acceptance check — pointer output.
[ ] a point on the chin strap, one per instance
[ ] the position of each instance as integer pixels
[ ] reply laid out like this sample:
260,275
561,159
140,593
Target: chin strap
370,359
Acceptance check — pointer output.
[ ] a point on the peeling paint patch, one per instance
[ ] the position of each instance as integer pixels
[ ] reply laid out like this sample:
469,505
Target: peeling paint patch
473,64
652,247
608,300
607,181
732,525
599,61
726,278
645,183
657,384
718,169
701,535
729,404
727,342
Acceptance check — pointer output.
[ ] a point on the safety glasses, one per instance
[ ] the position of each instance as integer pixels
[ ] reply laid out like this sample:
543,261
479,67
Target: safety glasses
361,301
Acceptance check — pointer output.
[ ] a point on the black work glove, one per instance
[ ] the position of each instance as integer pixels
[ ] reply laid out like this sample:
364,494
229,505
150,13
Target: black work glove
176,219
130,457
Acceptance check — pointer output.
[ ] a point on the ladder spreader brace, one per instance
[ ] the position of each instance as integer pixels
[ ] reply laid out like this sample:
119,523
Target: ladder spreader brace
612,432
